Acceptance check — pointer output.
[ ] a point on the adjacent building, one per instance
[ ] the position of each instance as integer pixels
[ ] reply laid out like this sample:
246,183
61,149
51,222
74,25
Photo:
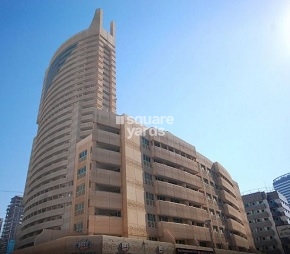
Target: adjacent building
99,182
12,221
1,222
266,212
282,184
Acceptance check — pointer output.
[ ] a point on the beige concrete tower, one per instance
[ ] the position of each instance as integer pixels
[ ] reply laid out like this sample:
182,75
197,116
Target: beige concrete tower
81,76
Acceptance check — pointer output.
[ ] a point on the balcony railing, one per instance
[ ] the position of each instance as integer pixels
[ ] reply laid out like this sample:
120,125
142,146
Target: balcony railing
177,174
178,192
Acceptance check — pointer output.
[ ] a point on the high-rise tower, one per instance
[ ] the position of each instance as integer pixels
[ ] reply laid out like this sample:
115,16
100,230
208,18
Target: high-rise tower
80,77
12,221
282,184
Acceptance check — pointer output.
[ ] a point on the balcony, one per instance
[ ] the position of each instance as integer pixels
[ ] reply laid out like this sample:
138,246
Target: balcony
166,208
258,215
236,226
219,169
106,200
183,231
263,224
105,225
266,243
270,232
223,183
239,241
106,156
255,207
108,137
228,198
175,142
178,192
106,177
175,159
177,174
231,211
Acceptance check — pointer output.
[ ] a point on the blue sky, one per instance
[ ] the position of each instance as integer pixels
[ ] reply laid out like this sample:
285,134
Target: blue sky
220,68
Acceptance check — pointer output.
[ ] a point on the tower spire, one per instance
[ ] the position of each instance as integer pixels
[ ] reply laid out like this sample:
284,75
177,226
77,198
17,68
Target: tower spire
97,22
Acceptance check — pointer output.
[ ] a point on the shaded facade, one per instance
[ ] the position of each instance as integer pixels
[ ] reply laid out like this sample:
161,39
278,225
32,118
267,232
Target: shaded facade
13,220
90,178
282,184
266,212
1,222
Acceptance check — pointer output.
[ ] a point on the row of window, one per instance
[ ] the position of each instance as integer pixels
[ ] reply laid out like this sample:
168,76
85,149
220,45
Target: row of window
254,203
263,238
47,199
172,149
258,220
255,211
55,187
46,209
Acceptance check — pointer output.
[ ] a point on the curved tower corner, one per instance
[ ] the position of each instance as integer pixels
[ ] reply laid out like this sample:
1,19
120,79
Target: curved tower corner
80,77
282,184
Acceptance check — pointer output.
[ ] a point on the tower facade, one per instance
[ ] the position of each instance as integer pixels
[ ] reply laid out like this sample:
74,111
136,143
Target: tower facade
81,76
282,184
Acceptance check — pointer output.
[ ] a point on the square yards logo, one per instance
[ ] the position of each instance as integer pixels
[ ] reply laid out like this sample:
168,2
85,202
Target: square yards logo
145,121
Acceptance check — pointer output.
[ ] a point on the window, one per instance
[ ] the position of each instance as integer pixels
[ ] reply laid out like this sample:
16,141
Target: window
78,227
149,198
79,208
151,220
110,213
113,189
81,172
146,160
163,218
148,178
83,155
174,200
177,220
80,190
145,143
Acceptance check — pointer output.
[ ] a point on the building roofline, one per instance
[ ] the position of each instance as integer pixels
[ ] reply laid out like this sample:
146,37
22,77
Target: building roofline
281,177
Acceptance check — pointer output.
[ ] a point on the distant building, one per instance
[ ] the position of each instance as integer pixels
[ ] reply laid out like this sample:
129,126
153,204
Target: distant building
282,184
1,222
266,212
13,219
